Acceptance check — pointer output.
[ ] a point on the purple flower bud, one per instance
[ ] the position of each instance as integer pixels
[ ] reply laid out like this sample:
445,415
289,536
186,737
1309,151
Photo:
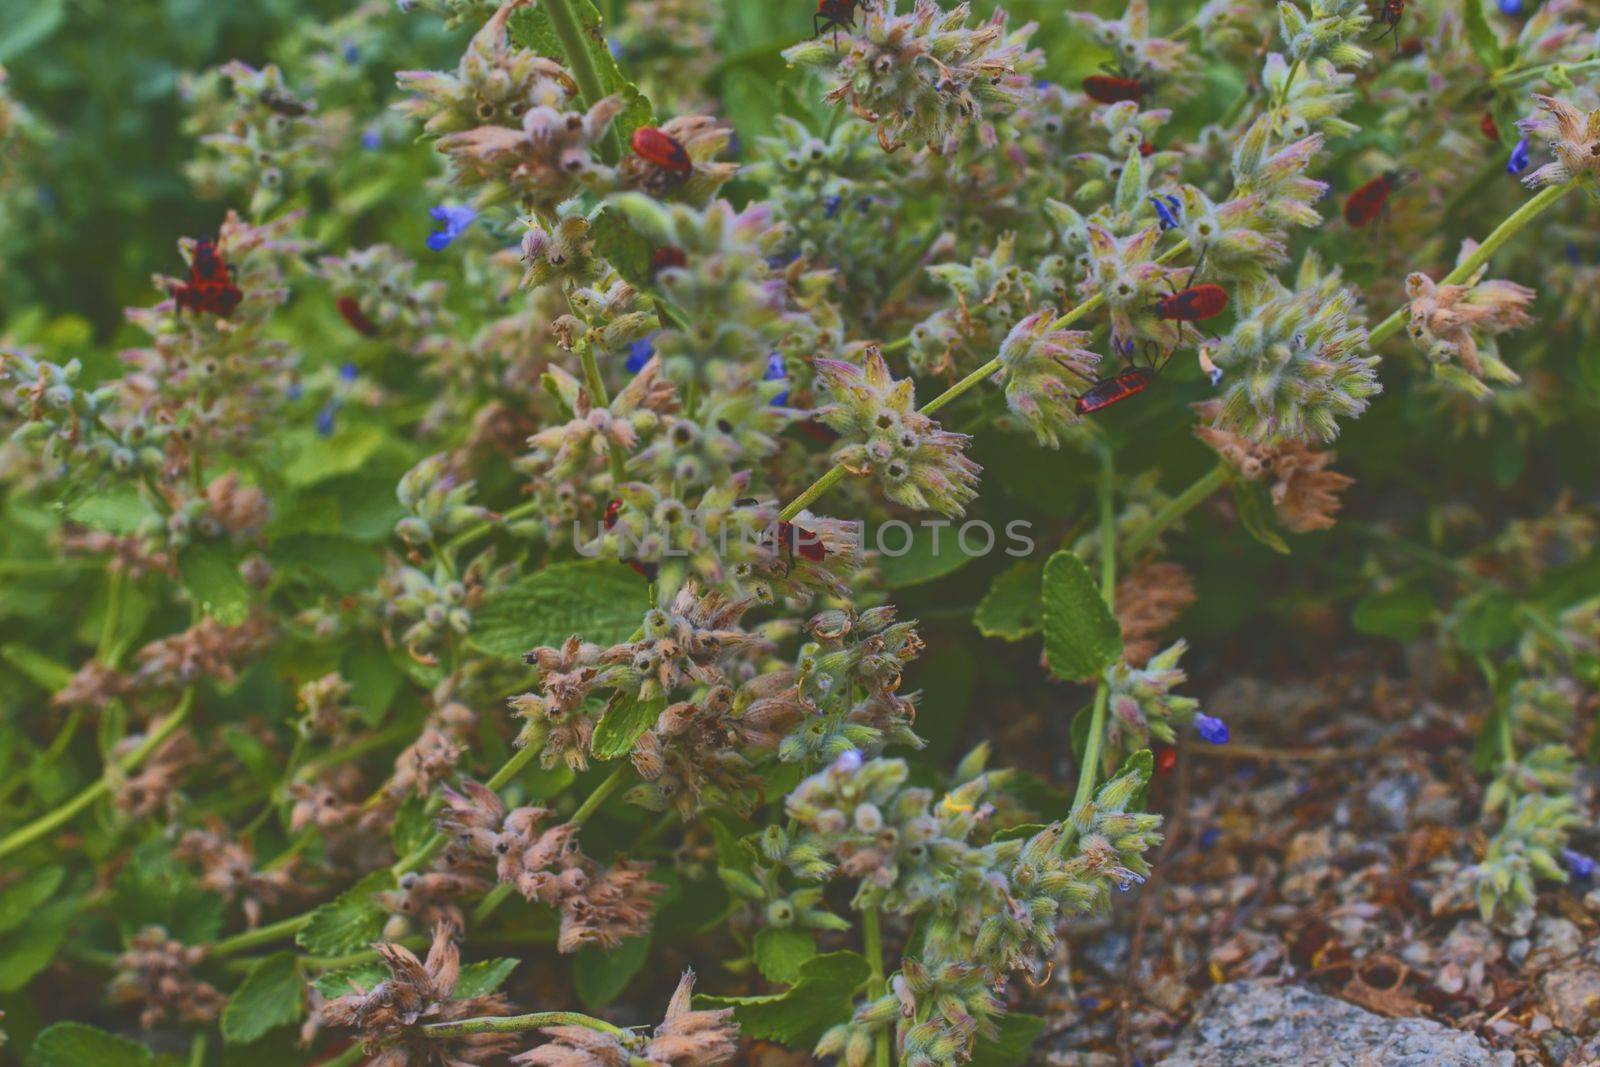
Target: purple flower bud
1169,209
775,373
1519,158
1211,730
830,206
848,762
639,353
352,54
325,418
349,372
1572,254
1512,8
1209,837
372,138
295,391
1580,865
454,220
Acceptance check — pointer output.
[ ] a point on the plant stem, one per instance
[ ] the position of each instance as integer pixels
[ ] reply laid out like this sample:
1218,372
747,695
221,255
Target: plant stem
1512,77
601,794
515,1024
1175,509
872,942
1502,233
116,591
473,533
564,21
41,826
1089,772
288,927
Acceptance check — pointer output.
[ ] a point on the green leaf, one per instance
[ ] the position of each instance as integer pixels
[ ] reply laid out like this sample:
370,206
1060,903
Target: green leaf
412,826
118,510
1481,35
19,900
931,551
1488,622
313,458
626,718
781,951
344,564
357,979
600,977
1255,515
37,667
600,601
351,921
374,680
823,996
530,28
484,977
1013,607
273,994
211,575
28,949
1402,613
622,247
29,25
1081,637
252,752
1010,1048
77,1045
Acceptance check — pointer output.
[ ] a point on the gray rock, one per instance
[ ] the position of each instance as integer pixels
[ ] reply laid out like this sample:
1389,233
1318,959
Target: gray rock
1263,1024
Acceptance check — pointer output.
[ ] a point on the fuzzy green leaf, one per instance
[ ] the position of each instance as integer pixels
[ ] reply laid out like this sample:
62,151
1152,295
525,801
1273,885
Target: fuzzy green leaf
211,575
1401,613
929,552
273,994
626,718
19,900
484,977
600,601
1010,1047
37,667
1081,637
1012,607
1481,35
781,951
349,922
823,995
28,949
623,248
1255,515
599,977
357,979
77,1045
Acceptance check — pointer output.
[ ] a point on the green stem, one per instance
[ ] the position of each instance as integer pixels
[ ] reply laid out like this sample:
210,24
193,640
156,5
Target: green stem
568,31
474,533
1089,772
116,592
872,942
516,1024
1507,229
1513,77
601,794
1175,509
602,399
43,825
197,1051
288,927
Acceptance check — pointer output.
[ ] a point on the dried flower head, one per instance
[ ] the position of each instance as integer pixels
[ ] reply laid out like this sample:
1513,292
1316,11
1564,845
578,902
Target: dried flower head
1574,137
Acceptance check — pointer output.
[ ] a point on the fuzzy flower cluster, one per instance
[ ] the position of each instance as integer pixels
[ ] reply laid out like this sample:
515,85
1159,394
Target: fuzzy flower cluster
1041,370
1457,323
1296,363
883,435
685,1038
924,77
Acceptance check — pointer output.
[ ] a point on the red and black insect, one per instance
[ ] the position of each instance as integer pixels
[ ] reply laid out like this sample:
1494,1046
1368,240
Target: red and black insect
818,430
788,539
1194,303
1146,149
669,164
1166,759
834,15
350,310
1390,14
210,286
285,103
1372,199
1113,88
1411,47
613,509
1131,381
643,568
667,256
1490,128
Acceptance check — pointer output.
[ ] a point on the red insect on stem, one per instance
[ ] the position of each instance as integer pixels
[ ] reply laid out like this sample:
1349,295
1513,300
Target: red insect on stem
1113,88
660,149
1114,390
210,286
1390,15
667,256
1194,304
350,310
1146,149
1371,200
1490,128
613,509
835,15
1166,759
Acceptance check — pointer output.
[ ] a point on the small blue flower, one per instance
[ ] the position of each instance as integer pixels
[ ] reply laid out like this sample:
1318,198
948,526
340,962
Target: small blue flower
849,761
295,391
455,221
1209,837
325,418
775,373
1042,83
830,206
1088,1003
614,46
1211,730
1169,209
1572,254
1512,8
1580,865
352,54
349,372
1519,158
372,138
639,353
